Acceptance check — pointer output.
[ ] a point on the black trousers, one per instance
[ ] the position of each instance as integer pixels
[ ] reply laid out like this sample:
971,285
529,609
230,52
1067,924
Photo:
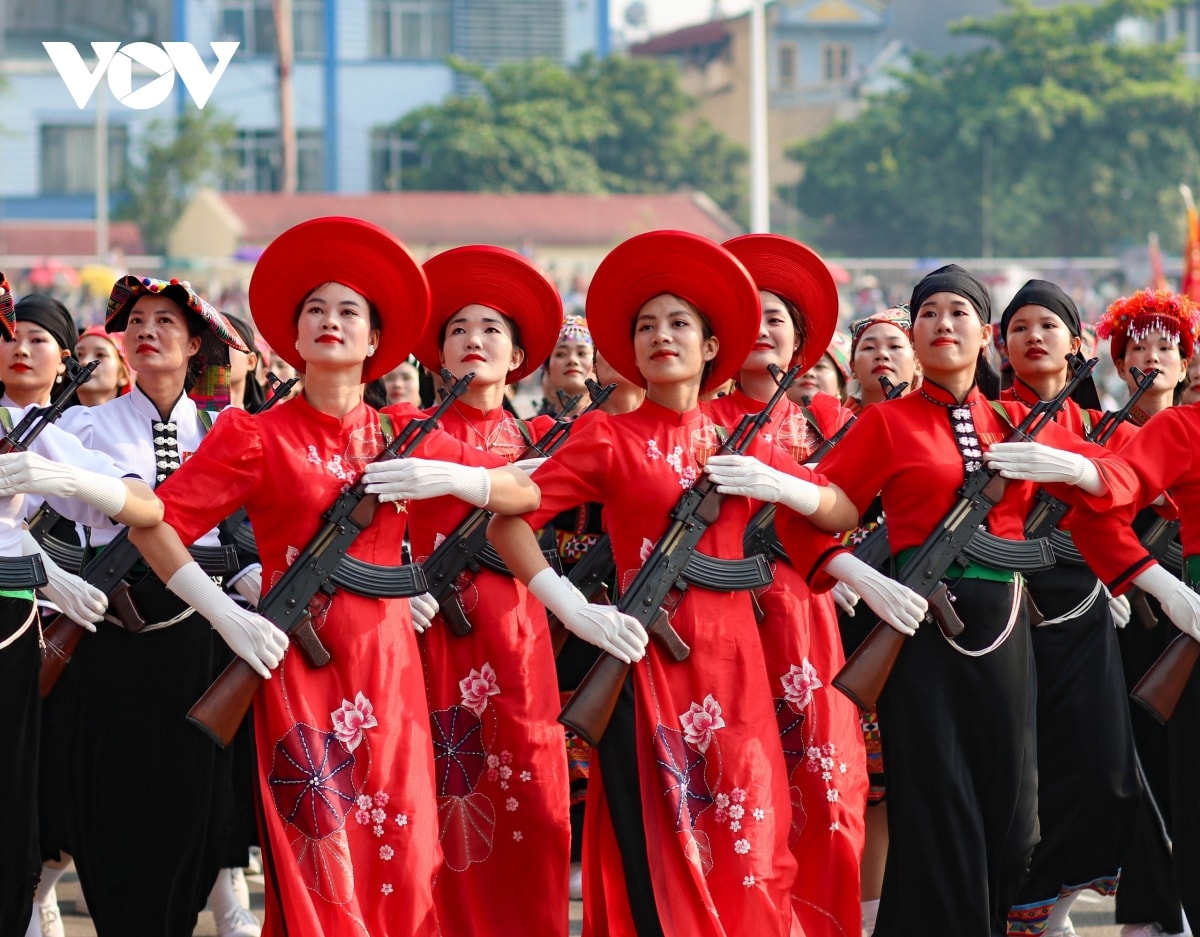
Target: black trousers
20,732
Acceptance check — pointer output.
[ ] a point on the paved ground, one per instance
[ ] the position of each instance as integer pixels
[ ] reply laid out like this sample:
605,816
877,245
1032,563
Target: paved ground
1092,916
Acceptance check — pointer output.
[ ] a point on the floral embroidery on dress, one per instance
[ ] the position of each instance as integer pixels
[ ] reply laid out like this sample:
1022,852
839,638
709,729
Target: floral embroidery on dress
311,781
333,465
701,721
476,687
353,719
799,683
683,768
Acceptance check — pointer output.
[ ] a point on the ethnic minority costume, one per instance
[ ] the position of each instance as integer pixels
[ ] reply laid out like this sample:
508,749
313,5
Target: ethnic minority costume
502,784
1087,767
713,786
119,715
20,699
957,717
345,758
1165,456
818,726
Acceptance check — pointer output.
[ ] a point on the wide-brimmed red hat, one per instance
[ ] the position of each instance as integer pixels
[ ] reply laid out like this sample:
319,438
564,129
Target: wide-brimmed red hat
795,272
685,265
485,275
8,317
363,256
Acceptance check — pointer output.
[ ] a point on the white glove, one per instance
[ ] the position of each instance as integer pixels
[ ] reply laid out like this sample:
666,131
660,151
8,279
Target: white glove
529,466
620,635
76,598
248,584
32,474
894,603
1181,604
250,636
845,598
417,479
1118,606
423,607
1034,462
746,475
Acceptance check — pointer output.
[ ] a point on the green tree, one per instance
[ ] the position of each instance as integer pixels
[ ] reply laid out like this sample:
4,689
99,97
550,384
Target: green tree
604,125
1053,139
178,156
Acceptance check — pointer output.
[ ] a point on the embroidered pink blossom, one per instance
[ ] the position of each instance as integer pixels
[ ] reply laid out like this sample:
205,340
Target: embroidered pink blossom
722,800
493,774
381,799
506,772
362,816
386,853
377,830
503,785
379,815
493,761
402,819
841,767
721,815
735,825
748,881
835,826
741,846
737,811
386,888
363,802
518,835
799,683
831,795
351,721
511,804
506,758
829,749
652,451
758,813
528,775
701,721
827,764
737,795
476,687
812,752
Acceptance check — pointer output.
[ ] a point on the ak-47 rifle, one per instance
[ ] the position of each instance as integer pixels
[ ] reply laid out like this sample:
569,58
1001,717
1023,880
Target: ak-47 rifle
865,673
221,709
760,536
1160,688
279,390
36,419
466,547
590,709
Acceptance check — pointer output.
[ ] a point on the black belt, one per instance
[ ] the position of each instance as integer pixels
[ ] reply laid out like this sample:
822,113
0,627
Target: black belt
719,575
379,582
22,572
1021,556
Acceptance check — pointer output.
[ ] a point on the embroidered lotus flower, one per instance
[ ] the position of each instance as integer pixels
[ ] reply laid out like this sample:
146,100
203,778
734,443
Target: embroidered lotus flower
353,719
476,687
799,683
701,721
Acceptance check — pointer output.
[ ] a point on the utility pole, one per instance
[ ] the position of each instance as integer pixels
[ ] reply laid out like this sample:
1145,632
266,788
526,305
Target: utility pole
287,115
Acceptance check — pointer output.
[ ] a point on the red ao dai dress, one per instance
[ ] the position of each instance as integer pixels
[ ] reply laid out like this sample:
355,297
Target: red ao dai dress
502,783
346,761
712,779
819,727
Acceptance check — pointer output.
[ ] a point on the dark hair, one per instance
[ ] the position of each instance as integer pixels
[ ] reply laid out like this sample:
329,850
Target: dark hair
987,377
799,322
706,329
375,394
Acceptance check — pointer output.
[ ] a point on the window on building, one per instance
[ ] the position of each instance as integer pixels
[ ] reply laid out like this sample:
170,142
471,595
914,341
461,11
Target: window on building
252,23
410,29
258,162
835,61
390,153
68,158
786,62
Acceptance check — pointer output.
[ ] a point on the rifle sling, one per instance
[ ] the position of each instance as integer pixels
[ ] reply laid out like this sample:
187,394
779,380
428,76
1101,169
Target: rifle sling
18,573
379,582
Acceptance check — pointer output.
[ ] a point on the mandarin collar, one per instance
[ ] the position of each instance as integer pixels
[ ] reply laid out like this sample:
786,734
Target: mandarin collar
1023,393
936,393
666,415
146,407
352,419
474,413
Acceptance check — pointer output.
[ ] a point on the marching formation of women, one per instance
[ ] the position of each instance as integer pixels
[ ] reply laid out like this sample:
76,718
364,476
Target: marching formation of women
758,627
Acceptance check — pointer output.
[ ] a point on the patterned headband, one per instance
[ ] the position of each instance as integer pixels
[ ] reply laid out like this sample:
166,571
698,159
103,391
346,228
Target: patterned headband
898,316
8,314
129,288
574,330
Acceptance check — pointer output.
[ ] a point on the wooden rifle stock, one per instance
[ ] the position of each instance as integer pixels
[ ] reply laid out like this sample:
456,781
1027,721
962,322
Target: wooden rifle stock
1159,690
62,637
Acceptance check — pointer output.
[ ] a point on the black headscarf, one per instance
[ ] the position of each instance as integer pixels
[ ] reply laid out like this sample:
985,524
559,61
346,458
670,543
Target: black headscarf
953,279
1047,294
1051,296
253,396
51,315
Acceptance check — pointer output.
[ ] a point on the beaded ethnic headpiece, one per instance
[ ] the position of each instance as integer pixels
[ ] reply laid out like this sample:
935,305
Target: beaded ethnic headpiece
897,316
8,315
574,330
1148,311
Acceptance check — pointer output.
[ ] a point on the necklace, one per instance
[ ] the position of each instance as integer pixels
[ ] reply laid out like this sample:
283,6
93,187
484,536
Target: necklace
498,438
